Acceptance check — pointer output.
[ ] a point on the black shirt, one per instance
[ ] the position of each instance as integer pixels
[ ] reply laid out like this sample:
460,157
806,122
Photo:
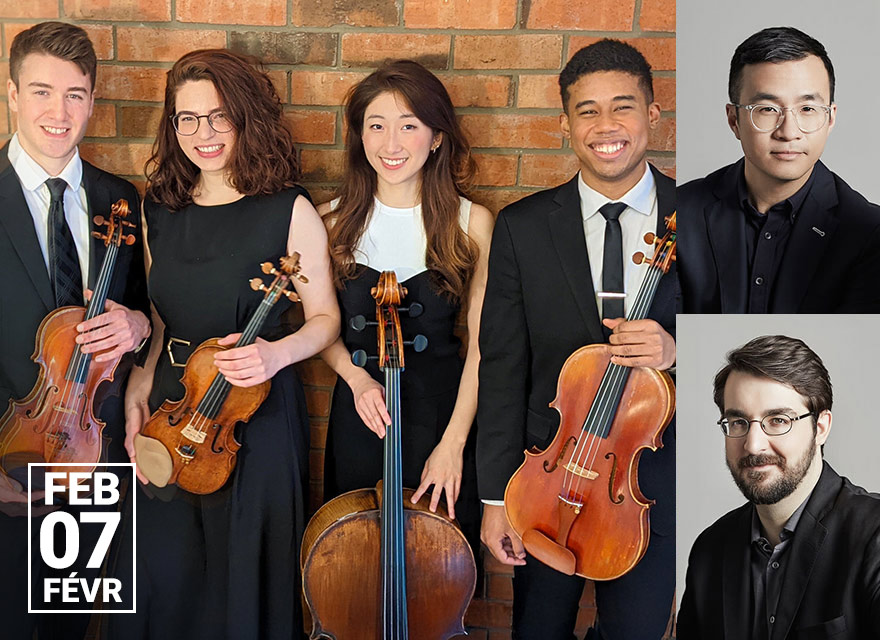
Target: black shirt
766,239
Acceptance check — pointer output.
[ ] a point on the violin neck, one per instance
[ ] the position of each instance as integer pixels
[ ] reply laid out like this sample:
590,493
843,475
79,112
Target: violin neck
78,368
215,396
394,613
642,304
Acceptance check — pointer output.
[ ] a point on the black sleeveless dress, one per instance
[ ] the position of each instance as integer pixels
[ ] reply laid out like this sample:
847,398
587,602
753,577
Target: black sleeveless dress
429,387
224,565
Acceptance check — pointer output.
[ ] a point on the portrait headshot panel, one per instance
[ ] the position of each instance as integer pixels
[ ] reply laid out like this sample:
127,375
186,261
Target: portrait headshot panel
848,32
848,347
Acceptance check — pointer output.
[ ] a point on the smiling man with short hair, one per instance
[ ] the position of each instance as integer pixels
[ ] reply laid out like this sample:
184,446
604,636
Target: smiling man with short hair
801,559
777,232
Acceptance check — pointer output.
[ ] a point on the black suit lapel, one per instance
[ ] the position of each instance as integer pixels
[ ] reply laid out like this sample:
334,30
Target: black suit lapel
98,204
665,199
809,536
811,236
15,218
727,235
736,589
567,230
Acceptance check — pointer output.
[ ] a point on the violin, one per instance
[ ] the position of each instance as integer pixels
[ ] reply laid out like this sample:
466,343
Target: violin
56,422
577,504
191,441
374,565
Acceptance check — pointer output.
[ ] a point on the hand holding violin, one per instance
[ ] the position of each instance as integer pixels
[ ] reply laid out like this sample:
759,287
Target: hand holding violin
252,364
641,343
116,331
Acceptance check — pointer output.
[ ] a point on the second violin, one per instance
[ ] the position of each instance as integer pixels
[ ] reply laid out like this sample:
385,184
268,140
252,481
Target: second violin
191,441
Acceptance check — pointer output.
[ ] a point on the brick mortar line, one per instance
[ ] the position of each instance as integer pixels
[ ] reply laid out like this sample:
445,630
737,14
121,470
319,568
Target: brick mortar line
637,16
344,28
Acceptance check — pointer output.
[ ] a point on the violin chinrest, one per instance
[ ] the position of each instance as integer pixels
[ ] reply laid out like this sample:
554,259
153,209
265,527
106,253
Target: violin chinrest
153,460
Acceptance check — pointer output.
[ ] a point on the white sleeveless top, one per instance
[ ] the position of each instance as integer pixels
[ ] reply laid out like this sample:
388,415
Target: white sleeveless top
394,239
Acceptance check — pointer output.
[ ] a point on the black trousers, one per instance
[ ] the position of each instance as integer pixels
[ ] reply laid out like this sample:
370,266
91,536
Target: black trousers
635,606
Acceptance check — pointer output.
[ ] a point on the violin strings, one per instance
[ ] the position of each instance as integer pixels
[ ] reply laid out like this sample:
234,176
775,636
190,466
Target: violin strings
77,370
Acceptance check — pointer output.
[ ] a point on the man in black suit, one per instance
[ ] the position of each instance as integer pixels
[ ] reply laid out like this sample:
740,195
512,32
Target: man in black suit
48,196
801,559
777,232
557,282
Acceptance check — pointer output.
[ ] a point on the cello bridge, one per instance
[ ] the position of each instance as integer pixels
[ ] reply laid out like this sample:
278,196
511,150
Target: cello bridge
578,470
192,433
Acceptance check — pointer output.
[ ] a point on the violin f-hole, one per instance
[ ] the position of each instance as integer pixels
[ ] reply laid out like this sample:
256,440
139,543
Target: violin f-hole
571,440
39,410
611,478
217,432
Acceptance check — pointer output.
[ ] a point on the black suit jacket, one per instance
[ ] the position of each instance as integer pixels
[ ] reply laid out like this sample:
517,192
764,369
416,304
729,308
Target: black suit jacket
831,587
539,308
831,263
25,289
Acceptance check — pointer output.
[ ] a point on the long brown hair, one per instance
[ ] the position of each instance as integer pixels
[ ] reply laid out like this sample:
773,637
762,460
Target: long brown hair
263,159
447,174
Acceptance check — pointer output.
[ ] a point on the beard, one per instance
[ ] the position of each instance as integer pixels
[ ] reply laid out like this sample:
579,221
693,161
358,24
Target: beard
750,481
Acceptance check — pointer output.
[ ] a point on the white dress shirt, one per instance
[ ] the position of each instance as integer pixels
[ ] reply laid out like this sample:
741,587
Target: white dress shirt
639,218
33,181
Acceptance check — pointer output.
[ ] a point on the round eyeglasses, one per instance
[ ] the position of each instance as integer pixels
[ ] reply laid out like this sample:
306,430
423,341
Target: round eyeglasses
776,424
769,117
186,123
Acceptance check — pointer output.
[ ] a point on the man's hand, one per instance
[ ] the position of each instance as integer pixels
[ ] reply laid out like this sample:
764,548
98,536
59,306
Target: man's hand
640,343
115,332
500,538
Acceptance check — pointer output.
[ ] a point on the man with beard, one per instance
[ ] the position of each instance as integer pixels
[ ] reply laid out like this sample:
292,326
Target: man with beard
801,559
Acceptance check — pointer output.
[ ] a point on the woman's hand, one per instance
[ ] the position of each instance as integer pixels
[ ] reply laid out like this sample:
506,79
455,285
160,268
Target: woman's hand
249,366
443,470
369,400
137,412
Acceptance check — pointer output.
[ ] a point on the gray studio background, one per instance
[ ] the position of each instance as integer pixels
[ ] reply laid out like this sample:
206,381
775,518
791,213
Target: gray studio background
849,345
707,33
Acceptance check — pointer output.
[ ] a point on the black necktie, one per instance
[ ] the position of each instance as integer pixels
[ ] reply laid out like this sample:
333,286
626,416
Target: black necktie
64,269
612,260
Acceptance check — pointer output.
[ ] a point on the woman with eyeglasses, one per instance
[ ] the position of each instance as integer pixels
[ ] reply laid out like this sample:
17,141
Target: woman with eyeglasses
403,206
222,197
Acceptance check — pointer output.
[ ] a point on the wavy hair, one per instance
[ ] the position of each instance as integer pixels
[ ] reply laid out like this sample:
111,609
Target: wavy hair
263,158
448,173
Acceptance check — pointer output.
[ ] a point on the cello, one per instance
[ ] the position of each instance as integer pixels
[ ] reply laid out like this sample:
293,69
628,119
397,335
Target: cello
374,565
191,441
577,505
56,421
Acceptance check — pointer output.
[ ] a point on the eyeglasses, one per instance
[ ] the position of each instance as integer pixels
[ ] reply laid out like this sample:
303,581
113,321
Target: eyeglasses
769,117
186,123
776,424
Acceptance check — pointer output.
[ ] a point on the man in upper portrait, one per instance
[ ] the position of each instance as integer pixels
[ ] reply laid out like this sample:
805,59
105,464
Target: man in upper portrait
801,559
777,232
561,277
48,258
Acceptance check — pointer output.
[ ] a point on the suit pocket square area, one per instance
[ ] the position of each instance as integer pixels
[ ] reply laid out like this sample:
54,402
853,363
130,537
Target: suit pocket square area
829,629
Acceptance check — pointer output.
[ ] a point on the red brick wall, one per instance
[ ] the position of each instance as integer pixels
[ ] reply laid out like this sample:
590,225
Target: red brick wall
498,58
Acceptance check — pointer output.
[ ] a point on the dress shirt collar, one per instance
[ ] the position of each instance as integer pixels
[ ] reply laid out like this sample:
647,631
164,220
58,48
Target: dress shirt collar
640,198
791,205
787,529
32,175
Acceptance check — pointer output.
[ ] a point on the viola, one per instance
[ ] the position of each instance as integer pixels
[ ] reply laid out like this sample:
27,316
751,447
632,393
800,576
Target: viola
191,441
374,565
577,504
56,422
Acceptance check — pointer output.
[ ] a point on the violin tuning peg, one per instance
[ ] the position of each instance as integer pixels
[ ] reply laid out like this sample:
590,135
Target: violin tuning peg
99,220
129,239
257,284
640,258
650,238
97,234
267,268
126,223
359,323
291,295
419,343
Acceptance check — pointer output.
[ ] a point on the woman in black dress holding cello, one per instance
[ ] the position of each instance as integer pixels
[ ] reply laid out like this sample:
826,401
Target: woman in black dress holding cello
402,206
221,199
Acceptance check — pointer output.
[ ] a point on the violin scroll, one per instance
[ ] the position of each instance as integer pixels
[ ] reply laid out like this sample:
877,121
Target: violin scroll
115,225
664,254
290,268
